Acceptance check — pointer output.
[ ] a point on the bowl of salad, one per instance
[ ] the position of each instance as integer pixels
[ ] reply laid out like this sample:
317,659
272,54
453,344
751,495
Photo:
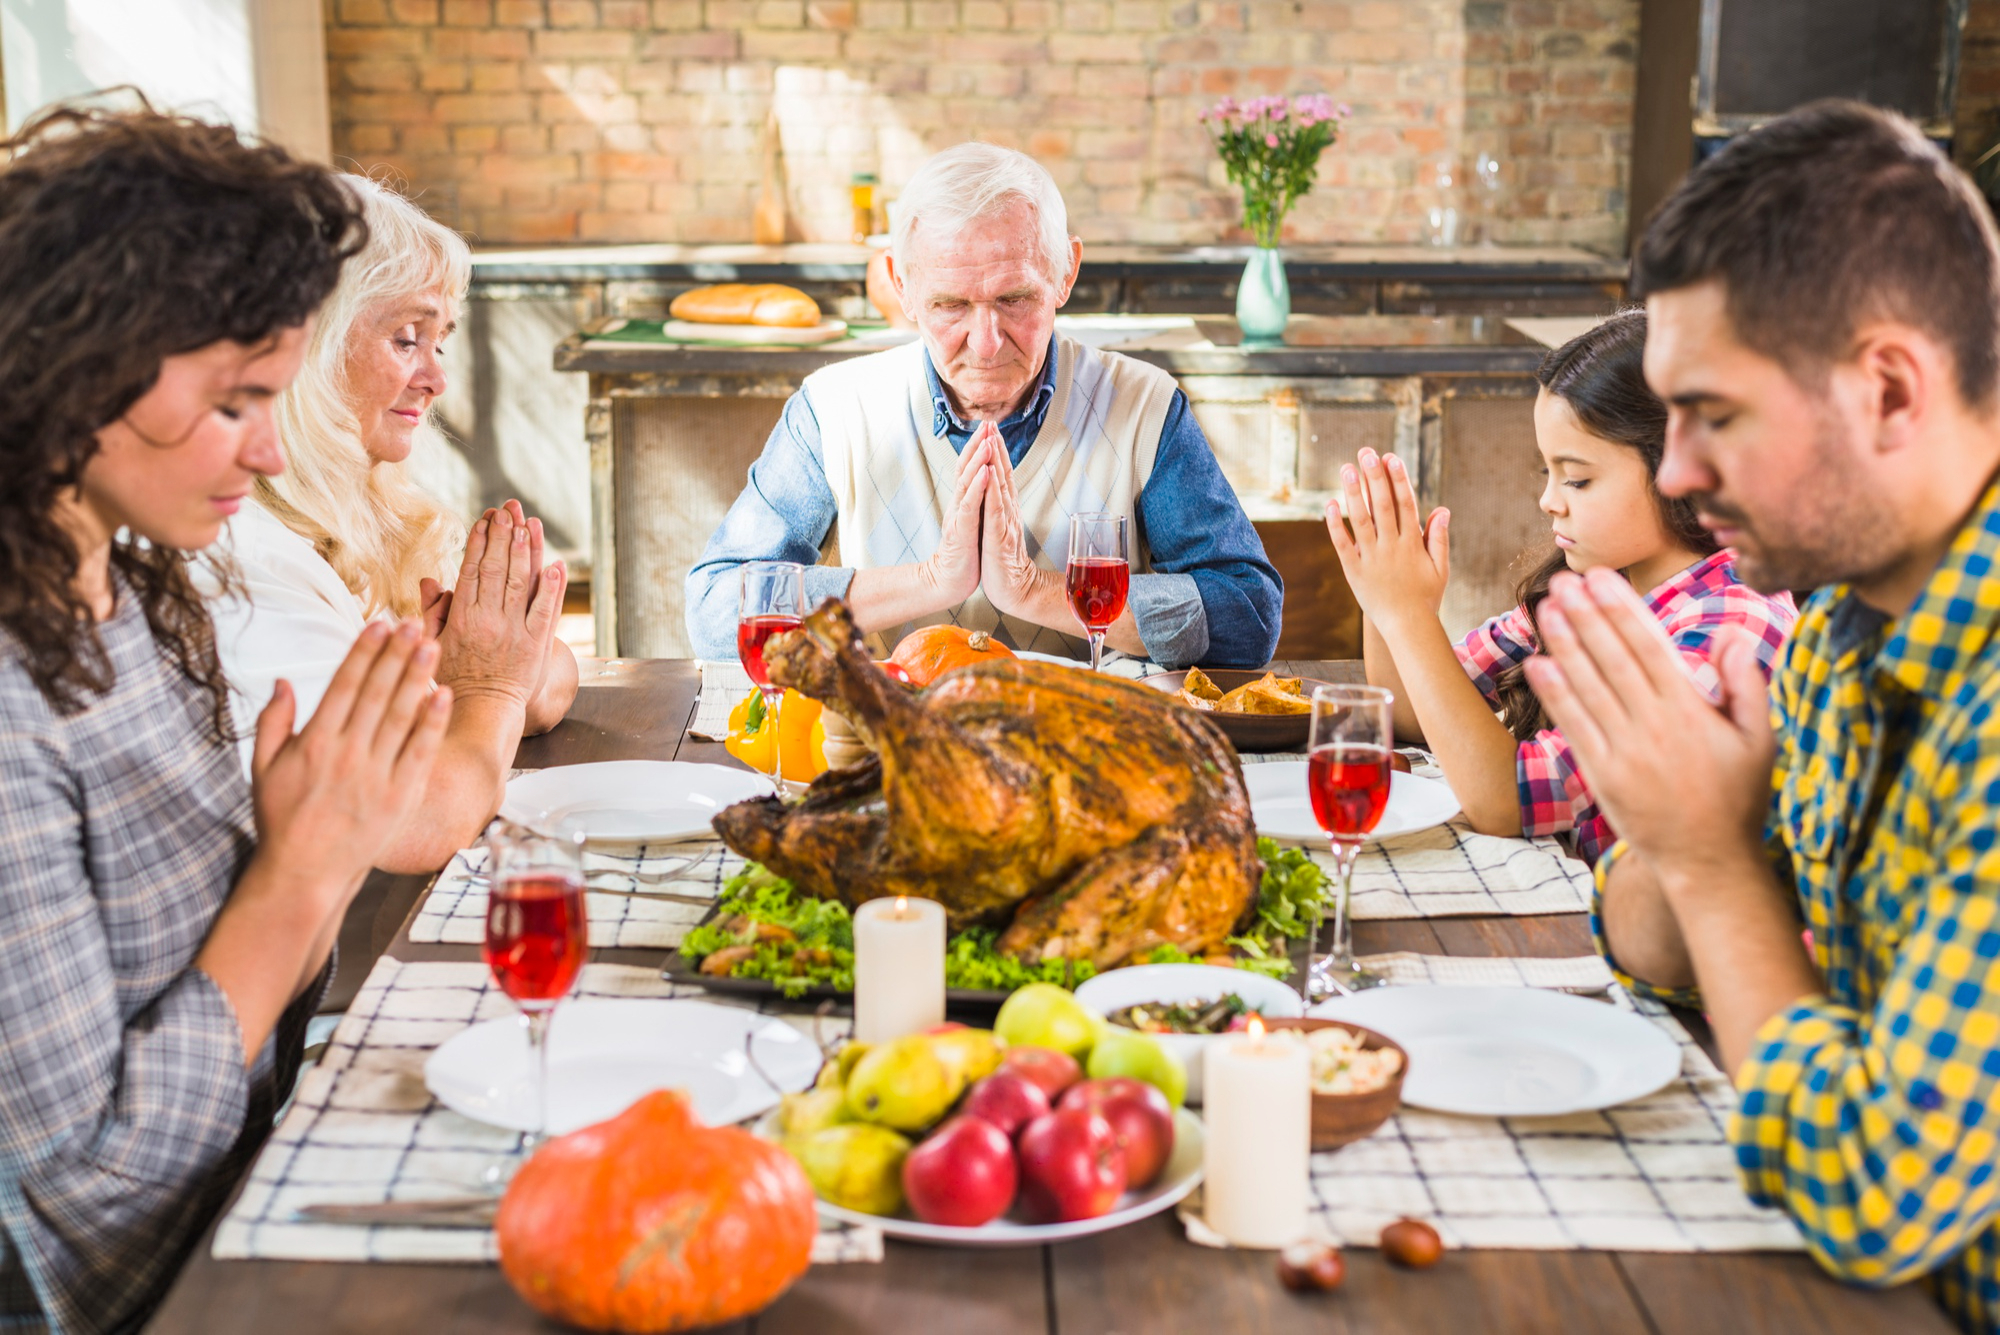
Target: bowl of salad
1186,1006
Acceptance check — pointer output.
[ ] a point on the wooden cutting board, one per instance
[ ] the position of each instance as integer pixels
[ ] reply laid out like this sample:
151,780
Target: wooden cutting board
687,331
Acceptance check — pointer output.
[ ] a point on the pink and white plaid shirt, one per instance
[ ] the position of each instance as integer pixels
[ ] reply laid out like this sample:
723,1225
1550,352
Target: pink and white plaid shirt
1693,606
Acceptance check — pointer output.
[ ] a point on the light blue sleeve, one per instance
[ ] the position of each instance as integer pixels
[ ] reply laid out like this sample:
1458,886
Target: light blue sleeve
1214,597
783,514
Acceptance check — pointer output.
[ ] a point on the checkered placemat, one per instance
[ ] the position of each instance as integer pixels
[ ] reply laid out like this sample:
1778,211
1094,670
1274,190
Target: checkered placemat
1440,873
363,1128
454,911
1653,1175
1449,871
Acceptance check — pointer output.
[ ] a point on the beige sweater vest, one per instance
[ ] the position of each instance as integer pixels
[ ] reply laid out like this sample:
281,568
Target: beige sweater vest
891,477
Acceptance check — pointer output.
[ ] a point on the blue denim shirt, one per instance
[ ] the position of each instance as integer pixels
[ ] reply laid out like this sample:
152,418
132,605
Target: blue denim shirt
1212,597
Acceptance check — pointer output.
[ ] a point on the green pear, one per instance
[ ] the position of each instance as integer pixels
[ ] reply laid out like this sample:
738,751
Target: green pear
843,1062
1043,1015
802,1114
1141,1056
968,1054
853,1165
903,1083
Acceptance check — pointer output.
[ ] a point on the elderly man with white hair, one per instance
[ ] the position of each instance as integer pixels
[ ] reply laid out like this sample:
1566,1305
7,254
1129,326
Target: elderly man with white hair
948,468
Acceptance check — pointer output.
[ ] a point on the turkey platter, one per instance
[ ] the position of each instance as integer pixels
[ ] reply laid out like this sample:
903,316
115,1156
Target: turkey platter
1091,817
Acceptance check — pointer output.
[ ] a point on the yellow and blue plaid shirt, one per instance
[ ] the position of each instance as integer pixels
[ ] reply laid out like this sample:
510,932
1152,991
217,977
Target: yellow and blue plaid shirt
1870,1113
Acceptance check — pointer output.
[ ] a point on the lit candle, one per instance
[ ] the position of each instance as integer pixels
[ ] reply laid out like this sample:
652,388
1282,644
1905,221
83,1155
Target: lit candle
898,967
1257,1105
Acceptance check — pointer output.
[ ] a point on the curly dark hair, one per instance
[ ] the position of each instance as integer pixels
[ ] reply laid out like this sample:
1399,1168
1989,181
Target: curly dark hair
126,239
1601,376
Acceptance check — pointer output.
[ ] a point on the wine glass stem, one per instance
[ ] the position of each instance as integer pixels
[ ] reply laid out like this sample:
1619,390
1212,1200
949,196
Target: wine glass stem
537,1023
1096,648
1342,951
772,701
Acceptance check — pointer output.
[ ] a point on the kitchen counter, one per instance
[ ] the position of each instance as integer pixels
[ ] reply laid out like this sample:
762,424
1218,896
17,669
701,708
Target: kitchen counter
765,264
1360,345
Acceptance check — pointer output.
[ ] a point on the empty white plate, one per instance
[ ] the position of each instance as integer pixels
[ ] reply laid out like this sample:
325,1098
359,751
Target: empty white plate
604,1054
1514,1051
1282,810
631,801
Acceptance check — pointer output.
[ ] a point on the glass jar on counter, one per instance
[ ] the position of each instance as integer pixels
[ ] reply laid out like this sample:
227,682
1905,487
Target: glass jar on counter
861,193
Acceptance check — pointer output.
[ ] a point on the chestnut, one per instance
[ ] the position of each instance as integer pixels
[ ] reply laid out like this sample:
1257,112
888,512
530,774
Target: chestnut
1311,1267
1412,1244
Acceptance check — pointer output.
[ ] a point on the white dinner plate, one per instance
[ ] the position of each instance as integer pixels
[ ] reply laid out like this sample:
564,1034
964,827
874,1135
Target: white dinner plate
1181,1175
1032,656
604,1054
631,801
1513,1051
1281,809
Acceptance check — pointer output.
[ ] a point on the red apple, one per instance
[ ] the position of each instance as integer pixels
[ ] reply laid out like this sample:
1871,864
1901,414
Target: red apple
1007,1099
962,1175
1071,1166
1053,1071
1140,1117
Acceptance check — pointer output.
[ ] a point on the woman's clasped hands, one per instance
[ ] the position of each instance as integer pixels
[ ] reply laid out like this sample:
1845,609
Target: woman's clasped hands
495,628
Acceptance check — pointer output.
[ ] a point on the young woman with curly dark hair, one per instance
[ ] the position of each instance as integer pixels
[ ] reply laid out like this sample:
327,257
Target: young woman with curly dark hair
1601,433
167,926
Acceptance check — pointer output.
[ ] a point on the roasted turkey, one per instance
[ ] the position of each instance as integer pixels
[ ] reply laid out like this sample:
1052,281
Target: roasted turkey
1090,817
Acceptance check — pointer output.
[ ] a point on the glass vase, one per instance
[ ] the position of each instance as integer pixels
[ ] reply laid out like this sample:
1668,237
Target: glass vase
1263,299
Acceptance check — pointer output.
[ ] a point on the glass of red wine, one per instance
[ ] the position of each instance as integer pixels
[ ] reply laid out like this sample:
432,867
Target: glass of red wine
1099,575
773,599
1347,777
536,936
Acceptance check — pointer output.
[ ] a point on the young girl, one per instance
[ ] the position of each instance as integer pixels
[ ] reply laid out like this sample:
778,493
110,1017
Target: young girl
1601,433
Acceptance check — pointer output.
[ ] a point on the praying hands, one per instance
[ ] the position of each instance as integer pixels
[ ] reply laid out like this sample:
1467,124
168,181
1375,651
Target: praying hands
1687,785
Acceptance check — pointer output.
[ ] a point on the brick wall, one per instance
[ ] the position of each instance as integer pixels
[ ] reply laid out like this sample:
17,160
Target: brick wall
1978,110
623,120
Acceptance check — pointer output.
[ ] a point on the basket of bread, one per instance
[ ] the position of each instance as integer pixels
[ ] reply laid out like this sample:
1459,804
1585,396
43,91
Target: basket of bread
1257,711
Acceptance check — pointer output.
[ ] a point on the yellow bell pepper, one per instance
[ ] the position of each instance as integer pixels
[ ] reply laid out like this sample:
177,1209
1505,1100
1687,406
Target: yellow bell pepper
799,736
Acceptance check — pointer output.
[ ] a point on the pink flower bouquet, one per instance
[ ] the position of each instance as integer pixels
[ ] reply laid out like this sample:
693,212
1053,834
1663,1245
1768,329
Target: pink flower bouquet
1270,147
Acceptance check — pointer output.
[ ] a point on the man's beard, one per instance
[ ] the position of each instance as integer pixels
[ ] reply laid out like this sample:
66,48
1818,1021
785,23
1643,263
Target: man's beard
1832,529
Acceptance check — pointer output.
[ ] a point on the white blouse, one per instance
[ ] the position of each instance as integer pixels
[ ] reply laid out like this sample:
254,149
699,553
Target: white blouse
291,617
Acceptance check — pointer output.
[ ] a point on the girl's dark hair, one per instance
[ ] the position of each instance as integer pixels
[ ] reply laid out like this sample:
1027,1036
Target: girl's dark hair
1599,374
126,239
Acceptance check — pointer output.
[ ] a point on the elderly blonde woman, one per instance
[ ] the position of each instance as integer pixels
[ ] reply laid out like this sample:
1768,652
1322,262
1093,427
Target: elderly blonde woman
951,466
343,536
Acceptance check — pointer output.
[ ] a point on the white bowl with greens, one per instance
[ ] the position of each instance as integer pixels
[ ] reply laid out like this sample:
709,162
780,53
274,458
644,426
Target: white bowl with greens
1187,1006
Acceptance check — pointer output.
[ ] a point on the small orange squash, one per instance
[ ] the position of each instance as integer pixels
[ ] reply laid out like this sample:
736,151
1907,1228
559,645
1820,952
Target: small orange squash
652,1222
929,653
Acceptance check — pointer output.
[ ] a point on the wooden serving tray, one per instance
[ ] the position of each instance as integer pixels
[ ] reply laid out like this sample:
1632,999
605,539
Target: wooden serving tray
753,335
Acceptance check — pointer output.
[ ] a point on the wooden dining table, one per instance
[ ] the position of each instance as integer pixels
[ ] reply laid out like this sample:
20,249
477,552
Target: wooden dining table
1144,1279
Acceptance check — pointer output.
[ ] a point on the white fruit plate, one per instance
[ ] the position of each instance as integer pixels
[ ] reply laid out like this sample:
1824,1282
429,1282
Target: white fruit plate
1181,1175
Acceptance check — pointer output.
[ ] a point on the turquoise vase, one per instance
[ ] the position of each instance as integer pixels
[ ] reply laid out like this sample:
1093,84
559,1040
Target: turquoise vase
1263,299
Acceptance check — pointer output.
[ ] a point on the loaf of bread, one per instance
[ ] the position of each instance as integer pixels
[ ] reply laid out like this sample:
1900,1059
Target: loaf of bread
747,303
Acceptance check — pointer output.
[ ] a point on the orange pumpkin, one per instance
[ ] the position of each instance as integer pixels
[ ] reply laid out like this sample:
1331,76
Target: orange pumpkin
929,653
653,1222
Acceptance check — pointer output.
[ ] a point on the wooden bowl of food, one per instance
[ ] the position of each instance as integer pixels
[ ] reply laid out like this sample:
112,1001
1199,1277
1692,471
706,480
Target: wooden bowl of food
1368,1074
1257,711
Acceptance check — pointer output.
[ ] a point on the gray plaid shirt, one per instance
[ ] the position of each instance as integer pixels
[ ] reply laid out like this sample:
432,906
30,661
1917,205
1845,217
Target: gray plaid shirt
125,1110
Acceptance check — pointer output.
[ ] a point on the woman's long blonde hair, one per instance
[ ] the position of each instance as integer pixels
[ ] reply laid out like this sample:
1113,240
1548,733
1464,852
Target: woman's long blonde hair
379,531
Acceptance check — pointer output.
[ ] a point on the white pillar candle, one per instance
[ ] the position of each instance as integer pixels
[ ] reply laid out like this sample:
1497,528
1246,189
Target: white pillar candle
898,968
1257,1106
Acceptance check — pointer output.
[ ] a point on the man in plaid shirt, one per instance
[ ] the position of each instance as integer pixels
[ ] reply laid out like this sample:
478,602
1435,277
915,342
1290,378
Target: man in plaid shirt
1824,298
